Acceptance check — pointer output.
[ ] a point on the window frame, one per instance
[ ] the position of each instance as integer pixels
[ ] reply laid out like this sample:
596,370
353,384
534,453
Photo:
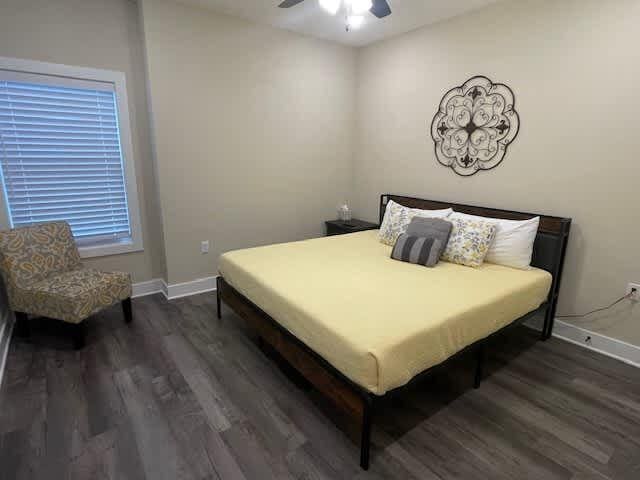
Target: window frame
118,79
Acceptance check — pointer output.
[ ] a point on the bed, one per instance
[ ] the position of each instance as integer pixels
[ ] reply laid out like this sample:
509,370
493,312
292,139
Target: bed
359,325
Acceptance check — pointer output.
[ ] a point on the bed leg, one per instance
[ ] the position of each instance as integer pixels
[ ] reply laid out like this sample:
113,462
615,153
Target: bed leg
480,357
545,324
551,314
365,440
547,328
218,301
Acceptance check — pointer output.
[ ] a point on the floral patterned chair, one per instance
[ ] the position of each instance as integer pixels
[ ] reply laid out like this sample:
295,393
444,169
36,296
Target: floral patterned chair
44,276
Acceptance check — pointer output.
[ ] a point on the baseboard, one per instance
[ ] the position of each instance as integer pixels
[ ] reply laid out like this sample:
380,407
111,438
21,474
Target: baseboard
623,351
185,289
175,290
150,287
5,339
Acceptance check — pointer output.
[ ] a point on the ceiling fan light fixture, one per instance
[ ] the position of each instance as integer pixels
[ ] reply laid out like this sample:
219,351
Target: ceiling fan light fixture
331,6
354,21
358,7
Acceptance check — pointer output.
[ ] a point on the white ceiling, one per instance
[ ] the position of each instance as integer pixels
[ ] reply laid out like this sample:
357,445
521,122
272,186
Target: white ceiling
310,19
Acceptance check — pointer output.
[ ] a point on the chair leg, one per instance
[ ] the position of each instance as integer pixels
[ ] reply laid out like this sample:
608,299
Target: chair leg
127,310
23,328
79,333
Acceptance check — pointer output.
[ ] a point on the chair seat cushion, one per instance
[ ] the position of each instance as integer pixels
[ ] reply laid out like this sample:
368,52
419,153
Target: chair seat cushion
73,296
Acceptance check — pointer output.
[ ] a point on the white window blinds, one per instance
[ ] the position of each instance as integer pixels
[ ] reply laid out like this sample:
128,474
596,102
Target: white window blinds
61,155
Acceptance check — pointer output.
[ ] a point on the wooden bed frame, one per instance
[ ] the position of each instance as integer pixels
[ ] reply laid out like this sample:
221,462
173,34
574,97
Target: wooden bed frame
351,399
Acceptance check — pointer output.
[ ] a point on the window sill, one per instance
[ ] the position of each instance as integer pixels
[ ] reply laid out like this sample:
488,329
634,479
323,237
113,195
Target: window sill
111,248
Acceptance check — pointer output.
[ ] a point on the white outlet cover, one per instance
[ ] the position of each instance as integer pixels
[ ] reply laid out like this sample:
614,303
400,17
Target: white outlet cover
204,246
631,286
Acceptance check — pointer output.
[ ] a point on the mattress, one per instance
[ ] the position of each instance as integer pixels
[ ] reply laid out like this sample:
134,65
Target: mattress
379,321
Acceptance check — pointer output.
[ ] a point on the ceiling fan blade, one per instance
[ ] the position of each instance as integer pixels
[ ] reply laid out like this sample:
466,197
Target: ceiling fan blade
380,8
289,3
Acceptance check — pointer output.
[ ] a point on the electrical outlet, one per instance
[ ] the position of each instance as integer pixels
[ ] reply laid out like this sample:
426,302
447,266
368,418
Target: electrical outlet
635,289
204,246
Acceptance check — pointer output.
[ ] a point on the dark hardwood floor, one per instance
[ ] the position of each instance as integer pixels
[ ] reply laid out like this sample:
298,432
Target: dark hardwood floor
179,394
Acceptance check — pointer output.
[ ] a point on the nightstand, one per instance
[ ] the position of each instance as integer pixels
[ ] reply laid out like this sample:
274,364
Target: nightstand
339,227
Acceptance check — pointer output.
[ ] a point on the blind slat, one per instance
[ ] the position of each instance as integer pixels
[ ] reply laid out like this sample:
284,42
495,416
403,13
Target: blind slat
9,111
96,223
61,182
27,102
22,195
71,172
98,213
52,130
28,151
69,209
80,221
74,94
75,165
23,202
61,120
71,143
115,228
61,158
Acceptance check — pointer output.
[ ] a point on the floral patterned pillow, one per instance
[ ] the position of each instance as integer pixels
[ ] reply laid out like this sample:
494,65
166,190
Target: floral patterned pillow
397,218
469,241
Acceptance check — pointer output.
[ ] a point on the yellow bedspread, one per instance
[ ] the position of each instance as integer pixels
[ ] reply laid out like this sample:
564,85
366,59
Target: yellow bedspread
379,321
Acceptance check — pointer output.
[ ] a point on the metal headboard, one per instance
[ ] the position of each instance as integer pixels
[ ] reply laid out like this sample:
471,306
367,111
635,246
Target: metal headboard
550,245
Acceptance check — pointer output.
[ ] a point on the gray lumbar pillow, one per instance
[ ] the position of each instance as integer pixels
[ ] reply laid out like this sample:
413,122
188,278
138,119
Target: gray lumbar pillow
419,250
431,228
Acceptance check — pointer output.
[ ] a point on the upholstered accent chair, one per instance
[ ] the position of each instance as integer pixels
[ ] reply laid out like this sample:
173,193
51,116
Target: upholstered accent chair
44,276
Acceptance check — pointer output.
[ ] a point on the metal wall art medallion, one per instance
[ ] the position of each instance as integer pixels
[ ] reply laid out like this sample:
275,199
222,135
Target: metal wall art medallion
474,125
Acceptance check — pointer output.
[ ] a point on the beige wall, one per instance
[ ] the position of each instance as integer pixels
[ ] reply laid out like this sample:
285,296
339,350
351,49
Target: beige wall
574,66
253,129
99,34
261,132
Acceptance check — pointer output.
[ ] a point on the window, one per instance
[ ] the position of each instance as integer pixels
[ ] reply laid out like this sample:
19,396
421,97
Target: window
65,153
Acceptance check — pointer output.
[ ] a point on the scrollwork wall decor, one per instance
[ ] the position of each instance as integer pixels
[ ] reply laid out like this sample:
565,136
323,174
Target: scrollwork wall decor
474,125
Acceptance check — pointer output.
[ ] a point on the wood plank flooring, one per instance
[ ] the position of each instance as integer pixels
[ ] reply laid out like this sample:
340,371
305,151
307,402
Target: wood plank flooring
179,394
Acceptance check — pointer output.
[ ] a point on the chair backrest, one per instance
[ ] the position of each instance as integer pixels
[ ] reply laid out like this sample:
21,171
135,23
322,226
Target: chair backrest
31,254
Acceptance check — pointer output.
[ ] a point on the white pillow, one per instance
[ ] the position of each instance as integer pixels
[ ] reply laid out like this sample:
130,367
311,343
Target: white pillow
512,245
397,218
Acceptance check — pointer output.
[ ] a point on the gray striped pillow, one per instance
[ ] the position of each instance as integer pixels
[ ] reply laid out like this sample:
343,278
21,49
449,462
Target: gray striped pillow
419,250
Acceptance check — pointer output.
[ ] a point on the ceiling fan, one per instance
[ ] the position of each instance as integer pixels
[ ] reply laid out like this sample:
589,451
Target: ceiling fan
354,9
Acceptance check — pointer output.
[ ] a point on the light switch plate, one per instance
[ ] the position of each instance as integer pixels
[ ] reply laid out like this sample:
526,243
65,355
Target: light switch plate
204,246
